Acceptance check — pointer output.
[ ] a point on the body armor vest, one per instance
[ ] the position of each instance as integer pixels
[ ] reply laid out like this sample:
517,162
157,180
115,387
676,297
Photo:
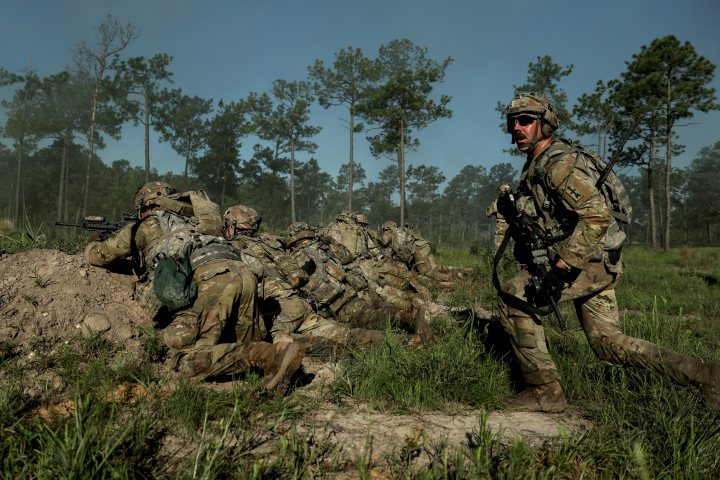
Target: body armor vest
326,281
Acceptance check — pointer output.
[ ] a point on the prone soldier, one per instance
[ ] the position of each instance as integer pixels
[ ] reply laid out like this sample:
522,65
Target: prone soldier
344,291
279,278
182,230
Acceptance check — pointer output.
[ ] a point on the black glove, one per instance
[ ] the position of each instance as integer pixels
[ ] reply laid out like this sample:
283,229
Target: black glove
98,237
557,279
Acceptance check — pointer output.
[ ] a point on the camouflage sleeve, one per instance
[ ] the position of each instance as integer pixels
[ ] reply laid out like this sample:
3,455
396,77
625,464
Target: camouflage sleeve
492,209
117,246
579,195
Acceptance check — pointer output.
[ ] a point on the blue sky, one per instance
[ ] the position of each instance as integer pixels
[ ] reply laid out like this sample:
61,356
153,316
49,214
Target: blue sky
226,49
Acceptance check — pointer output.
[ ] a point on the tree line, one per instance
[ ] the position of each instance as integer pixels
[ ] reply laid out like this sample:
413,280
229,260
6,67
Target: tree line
387,99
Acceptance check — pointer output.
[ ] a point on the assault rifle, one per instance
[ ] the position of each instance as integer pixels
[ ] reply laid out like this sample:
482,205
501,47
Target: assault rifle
528,238
98,224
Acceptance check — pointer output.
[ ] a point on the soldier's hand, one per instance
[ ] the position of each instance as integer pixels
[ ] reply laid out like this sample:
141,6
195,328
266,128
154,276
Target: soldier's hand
98,237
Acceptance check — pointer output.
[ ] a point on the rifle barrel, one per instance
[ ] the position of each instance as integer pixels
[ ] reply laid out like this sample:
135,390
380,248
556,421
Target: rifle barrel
616,155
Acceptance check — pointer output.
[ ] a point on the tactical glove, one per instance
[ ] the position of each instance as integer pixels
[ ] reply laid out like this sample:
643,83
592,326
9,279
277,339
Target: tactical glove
98,237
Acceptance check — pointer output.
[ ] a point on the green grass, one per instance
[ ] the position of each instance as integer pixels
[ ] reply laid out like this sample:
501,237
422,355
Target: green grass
645,426
42,237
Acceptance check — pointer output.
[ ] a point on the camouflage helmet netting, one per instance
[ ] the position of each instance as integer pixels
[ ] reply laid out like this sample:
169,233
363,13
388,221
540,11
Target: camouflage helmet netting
361,218
346,216
536,105
145,194
297,231
242,218
389,225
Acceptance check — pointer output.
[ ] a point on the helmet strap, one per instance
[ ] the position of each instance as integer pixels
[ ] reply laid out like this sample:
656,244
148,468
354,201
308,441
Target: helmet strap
535,139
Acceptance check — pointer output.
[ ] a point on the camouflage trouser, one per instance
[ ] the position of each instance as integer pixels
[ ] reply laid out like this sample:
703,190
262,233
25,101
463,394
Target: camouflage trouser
594,297
501,227
368,311
295,317
424,262
225,306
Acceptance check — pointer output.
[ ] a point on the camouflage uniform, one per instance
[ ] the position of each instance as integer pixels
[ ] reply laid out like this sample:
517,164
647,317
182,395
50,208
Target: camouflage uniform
279,277
501,225
225,303
557,191
416,252
347,232
345,292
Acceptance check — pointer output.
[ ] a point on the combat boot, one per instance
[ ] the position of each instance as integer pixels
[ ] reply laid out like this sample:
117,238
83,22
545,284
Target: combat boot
279,363
539,398
707,377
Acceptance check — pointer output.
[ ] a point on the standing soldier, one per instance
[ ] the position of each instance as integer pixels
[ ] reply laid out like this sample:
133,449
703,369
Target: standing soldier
582,252
173,229
501,225
279,277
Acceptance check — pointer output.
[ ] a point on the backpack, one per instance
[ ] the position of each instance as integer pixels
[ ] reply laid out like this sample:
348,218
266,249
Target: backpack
168,262
613,191
616,196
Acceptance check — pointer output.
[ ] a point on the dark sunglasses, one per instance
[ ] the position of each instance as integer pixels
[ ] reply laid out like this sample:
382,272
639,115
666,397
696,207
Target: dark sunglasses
522,120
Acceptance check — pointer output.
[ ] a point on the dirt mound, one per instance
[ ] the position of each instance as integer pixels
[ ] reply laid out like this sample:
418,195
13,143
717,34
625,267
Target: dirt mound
47,296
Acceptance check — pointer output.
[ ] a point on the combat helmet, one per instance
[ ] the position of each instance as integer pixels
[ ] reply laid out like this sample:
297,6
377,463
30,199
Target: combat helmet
298,231
148,193
362,219
241,217
535,105
347,217
389,225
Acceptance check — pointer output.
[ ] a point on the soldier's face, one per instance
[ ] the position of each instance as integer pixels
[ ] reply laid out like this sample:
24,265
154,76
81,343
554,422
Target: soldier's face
523,131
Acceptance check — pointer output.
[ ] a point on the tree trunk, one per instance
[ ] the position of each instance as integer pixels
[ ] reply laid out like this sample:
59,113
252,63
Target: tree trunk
685,215
147,134
401,171
66,214
222,197
651,193
90,148
668,168
20,152
10,198
350,176
187,160
61,194
292,179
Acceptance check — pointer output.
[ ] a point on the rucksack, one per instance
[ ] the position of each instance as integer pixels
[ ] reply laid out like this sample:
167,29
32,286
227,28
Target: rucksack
616,196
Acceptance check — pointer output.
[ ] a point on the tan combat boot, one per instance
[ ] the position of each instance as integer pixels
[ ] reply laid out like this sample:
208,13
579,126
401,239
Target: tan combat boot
539,398
707,377
279,363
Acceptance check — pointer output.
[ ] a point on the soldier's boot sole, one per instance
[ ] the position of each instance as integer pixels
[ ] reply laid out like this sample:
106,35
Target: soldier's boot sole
707,377
539,398
279,373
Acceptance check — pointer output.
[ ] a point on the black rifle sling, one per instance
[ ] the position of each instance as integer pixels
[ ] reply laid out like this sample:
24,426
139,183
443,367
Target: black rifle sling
134,252
511,300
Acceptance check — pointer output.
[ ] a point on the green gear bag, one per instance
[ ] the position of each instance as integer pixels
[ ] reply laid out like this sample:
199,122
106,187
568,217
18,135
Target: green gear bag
174,284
